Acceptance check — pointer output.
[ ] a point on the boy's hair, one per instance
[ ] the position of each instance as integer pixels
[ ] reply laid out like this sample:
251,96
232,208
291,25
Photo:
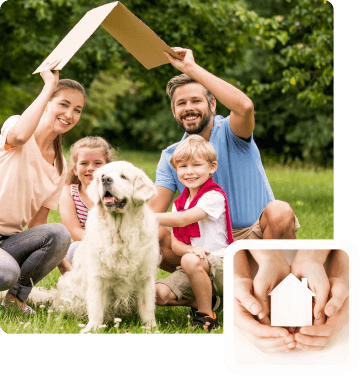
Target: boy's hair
182,80
193,146
91,143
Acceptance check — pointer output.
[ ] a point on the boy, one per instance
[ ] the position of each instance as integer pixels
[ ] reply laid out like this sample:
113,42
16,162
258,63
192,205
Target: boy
201,219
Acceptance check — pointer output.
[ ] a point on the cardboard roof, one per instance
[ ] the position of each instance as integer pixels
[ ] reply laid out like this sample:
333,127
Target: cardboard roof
124,26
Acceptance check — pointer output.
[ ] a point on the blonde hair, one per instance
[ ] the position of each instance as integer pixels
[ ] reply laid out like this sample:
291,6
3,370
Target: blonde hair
91,143
192,147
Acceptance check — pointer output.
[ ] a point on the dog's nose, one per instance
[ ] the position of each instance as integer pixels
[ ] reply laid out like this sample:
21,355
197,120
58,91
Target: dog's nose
106,179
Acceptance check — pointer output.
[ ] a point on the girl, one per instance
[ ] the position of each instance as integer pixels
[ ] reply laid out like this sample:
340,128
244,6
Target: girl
86,155
33,172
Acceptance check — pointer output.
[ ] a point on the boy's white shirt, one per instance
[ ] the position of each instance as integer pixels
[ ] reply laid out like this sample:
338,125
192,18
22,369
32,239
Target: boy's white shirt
213,230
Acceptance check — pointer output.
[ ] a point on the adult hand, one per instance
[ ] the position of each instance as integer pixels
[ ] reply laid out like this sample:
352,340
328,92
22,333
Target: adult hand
49,77
316,337
318,283
264,337
186,63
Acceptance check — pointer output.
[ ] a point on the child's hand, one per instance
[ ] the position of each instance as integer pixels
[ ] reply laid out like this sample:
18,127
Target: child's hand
199,251
271,272
318,282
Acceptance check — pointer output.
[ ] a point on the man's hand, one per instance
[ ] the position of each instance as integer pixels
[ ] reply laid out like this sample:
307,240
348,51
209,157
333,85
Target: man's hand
316,337
264,337
187,62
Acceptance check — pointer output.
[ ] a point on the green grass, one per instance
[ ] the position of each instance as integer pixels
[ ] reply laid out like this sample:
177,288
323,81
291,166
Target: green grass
308,191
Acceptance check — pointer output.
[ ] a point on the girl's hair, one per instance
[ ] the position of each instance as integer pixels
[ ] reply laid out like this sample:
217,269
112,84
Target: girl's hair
91,143
193,146
62,85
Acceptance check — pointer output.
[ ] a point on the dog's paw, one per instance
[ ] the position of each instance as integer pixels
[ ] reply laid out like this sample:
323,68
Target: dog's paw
90,326
151,323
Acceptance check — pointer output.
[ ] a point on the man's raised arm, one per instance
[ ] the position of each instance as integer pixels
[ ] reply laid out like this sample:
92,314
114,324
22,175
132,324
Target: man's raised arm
242,120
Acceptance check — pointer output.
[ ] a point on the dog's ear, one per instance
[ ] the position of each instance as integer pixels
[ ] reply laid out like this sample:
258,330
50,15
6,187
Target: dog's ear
92,189
144,189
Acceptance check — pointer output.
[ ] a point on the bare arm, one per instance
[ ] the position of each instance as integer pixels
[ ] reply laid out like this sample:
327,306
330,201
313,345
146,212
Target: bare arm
161,202
339,266
40,218
181,219
262,255
68,215
242,120
178,246
29,120
315,255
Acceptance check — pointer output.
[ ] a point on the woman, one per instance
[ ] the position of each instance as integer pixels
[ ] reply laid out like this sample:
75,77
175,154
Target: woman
33,172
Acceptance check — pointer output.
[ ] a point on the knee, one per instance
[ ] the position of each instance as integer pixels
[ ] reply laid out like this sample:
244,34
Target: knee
60,236
279,212
162,294
9,275
190,262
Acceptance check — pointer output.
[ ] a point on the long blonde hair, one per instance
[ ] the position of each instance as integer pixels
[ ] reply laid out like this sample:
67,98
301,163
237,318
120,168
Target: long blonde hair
91,143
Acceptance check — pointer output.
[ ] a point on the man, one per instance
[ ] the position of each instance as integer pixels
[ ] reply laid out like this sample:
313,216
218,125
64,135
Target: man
255,214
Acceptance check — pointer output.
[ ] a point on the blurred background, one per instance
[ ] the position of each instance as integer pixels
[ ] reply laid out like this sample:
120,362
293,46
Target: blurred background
279,52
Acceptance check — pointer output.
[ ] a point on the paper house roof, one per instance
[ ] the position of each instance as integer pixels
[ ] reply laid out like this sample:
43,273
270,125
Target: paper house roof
124,26
290,285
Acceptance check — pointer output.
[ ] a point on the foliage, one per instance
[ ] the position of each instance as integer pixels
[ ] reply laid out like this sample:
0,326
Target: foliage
280,52
302,58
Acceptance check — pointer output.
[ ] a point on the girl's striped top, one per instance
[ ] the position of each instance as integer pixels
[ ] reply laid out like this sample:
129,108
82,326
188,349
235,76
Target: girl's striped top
81,208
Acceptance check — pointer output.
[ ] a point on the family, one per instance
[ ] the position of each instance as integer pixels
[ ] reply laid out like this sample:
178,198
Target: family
216,167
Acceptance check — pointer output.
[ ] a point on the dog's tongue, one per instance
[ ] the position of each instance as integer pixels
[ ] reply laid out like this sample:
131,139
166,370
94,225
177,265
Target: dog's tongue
109,200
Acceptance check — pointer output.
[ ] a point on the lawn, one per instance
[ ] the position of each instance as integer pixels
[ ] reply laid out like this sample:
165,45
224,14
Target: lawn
308,191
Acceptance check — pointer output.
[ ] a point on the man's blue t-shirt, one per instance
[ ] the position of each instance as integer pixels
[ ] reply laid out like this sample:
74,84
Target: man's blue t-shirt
240,173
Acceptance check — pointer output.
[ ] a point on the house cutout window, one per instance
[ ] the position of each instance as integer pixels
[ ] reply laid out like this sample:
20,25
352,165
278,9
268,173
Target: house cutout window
291,303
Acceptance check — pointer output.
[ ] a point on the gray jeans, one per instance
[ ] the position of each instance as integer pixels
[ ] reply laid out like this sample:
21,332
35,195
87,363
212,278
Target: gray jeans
36,252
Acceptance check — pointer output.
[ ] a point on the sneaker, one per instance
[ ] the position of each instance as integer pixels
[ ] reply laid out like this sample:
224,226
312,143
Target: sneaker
26,310
204,321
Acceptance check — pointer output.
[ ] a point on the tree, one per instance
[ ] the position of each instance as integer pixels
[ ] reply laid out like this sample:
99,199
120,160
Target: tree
282,61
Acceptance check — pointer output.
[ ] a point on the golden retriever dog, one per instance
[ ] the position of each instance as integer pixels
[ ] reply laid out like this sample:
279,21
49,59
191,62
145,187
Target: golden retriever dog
115,266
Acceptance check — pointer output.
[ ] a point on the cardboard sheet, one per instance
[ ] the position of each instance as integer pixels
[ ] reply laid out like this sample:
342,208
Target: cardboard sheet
124,26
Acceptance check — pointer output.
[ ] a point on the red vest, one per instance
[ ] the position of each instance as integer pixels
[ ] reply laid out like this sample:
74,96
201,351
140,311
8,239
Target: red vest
193,231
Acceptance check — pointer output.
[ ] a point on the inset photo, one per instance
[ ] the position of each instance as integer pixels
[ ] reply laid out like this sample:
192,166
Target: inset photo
287,306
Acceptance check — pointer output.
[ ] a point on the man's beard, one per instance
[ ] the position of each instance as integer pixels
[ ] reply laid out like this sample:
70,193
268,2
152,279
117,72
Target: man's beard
200,127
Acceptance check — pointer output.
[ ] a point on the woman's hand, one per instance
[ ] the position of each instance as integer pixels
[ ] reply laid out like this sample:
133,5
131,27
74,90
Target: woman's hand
50,78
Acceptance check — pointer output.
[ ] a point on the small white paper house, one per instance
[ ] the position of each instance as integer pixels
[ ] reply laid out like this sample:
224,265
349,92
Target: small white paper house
291,303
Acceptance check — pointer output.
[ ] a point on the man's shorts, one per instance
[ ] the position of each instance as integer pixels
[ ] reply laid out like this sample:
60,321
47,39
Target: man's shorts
179,283
254,231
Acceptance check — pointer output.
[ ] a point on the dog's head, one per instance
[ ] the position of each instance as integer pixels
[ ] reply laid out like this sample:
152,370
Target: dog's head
118,186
